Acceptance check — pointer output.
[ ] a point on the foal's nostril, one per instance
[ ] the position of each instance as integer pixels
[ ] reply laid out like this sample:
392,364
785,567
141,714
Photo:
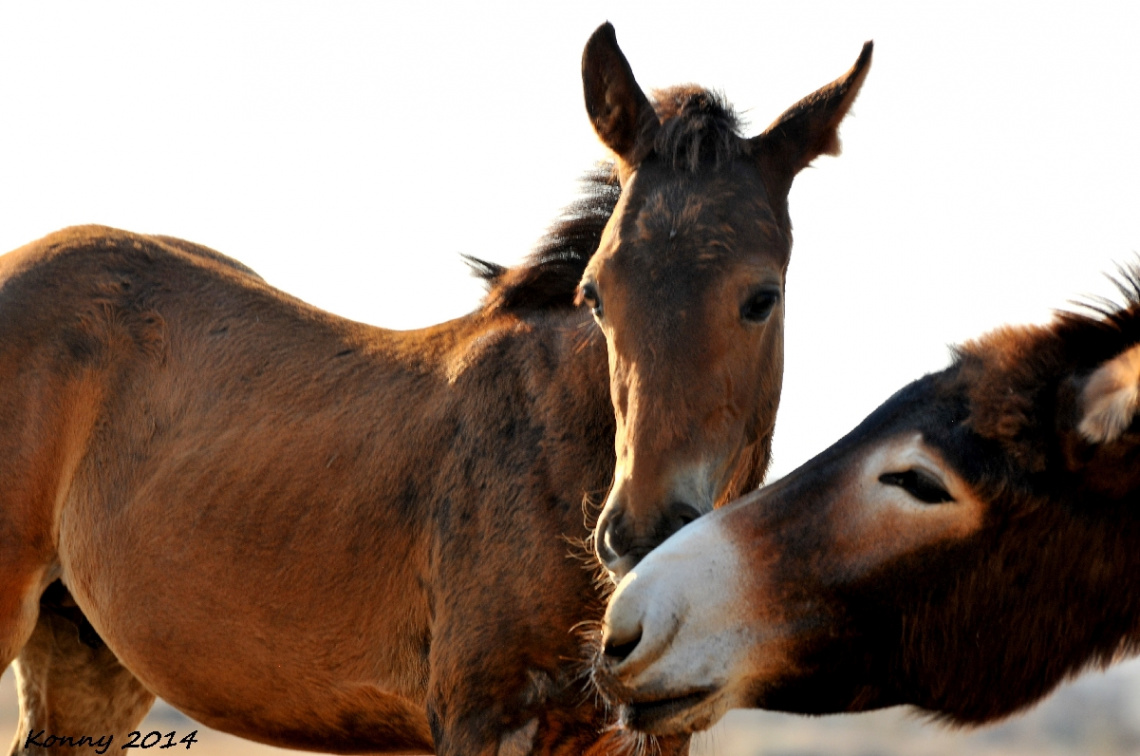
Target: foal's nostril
680,515
613,541
618,649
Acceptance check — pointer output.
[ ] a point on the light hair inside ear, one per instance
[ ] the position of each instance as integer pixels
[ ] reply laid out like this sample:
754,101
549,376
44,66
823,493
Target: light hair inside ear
1110,398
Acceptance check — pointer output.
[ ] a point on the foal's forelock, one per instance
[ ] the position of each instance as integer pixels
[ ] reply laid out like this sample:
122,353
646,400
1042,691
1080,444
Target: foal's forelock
698,127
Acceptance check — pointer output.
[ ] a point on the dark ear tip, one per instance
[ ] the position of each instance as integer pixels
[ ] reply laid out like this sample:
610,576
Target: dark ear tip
606,32
853,79
603,38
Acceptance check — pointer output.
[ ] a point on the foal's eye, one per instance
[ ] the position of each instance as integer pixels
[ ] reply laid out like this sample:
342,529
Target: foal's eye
589,295
759,304
919,484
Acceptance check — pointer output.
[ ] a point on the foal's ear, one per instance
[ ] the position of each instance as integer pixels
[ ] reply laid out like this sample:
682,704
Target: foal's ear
620,112
1110,398
809,128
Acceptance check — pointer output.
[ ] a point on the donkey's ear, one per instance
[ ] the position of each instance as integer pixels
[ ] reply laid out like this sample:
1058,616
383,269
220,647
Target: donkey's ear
620,112
809,128
1110,398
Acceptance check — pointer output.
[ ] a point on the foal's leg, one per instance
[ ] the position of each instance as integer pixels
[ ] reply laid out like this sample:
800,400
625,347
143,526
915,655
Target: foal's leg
71,686
620,743
475,711
507,669
21,583
488,685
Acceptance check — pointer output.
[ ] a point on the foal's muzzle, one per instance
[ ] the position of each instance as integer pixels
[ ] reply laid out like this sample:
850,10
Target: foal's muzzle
620,543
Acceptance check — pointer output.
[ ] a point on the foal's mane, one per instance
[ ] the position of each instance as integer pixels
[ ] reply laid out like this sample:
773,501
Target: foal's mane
698,126
548,278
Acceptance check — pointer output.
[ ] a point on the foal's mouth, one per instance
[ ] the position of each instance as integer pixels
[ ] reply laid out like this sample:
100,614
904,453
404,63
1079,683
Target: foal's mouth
666,716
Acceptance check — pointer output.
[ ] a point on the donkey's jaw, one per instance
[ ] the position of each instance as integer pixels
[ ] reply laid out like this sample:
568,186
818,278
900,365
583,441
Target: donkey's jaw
670,643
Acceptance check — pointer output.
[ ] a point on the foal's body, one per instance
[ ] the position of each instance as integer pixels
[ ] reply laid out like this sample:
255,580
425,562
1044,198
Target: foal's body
240,481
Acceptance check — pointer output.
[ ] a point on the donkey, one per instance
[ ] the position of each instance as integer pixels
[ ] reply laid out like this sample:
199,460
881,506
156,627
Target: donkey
969,546
319,534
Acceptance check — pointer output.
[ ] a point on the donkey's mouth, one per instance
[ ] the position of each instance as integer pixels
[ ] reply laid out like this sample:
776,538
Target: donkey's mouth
666,716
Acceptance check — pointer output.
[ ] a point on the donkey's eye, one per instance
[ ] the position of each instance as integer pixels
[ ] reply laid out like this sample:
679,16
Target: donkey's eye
588,294
759,304
919,484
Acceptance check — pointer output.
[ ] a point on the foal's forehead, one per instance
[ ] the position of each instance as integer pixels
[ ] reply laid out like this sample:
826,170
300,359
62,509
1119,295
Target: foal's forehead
698,220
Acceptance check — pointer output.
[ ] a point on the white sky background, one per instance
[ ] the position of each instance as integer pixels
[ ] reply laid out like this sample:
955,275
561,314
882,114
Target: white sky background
349,152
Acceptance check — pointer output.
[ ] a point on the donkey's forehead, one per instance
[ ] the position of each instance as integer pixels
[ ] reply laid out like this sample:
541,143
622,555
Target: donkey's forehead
940,409
932,405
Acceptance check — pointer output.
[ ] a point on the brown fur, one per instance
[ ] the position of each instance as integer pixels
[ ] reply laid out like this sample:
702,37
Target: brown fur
312,532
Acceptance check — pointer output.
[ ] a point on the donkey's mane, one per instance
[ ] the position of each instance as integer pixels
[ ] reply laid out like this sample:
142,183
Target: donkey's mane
1092,331
548,278
1107,314
1012,371
1099,328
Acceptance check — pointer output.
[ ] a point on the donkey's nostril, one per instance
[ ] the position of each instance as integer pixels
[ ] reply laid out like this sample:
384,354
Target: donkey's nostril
619,649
